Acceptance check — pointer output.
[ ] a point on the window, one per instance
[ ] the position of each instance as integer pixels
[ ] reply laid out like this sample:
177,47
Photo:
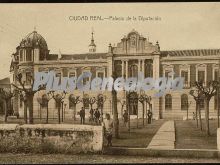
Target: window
56,104
133,103
28,55
118,70
133,71
168,102
167,73
28,78
59,75
201,76
72,74
86,101
44,101
149,69
86,79
100,75
21,55
216,75
184,74
71,105
215,102
184,102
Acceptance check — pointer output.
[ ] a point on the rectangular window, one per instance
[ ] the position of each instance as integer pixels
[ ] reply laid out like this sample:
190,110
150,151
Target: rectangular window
167,73
184,74
21,55
28,55
100,75
201,76
28,78
59,76
216,75
72,74
85,80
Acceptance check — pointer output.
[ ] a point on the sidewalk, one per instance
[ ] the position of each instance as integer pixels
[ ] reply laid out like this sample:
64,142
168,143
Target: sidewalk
164,138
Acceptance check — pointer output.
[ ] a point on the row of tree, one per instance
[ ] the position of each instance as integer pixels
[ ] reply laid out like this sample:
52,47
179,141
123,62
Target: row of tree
204,93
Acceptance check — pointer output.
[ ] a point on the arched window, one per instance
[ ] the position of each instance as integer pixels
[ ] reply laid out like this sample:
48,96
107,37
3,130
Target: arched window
133,71
149,68
71,105
86,101
184,102
118,70
133,103
44,101
168,102
28,55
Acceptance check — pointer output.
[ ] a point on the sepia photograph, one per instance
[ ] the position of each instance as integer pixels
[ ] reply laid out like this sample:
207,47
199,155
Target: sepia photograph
102,83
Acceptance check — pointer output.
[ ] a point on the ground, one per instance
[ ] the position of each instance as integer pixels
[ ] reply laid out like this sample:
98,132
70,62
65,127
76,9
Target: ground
188,136
137,137
94,159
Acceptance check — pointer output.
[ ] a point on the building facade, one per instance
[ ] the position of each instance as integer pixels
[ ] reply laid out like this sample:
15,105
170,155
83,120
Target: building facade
134,53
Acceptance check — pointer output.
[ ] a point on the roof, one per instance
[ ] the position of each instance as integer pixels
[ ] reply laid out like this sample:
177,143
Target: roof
77,56
197,52
34,39
5,83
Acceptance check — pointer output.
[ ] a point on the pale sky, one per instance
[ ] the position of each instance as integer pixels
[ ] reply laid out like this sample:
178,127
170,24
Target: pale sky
182,26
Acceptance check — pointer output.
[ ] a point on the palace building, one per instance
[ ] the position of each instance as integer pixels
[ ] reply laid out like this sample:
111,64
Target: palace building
134,53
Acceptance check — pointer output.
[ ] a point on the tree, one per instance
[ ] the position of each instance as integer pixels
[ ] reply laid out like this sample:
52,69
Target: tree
46,98
148,101
208,91
24,99
127,107
27,93
141,99
6,95
40,101
115,108
123,103
100,103
92,100
74,100
197,96
58,99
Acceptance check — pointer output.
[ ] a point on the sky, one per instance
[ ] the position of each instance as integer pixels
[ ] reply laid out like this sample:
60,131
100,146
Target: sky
181,26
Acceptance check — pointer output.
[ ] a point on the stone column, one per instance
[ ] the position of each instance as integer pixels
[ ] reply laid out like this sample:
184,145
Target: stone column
139,65
126,63
143,68
122,65
156,69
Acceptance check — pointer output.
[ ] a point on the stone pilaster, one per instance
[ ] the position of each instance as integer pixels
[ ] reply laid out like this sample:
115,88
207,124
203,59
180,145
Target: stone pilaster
126,65
156,75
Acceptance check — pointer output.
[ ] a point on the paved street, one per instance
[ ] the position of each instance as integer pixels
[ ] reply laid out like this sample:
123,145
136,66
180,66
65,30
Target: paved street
64,159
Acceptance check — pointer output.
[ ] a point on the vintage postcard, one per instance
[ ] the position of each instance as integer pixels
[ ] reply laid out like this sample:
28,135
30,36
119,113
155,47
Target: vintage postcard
110,83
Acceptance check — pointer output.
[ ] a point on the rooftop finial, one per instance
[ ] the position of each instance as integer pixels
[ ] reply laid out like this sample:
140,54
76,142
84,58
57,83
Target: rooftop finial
92,33
35,29
92,46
